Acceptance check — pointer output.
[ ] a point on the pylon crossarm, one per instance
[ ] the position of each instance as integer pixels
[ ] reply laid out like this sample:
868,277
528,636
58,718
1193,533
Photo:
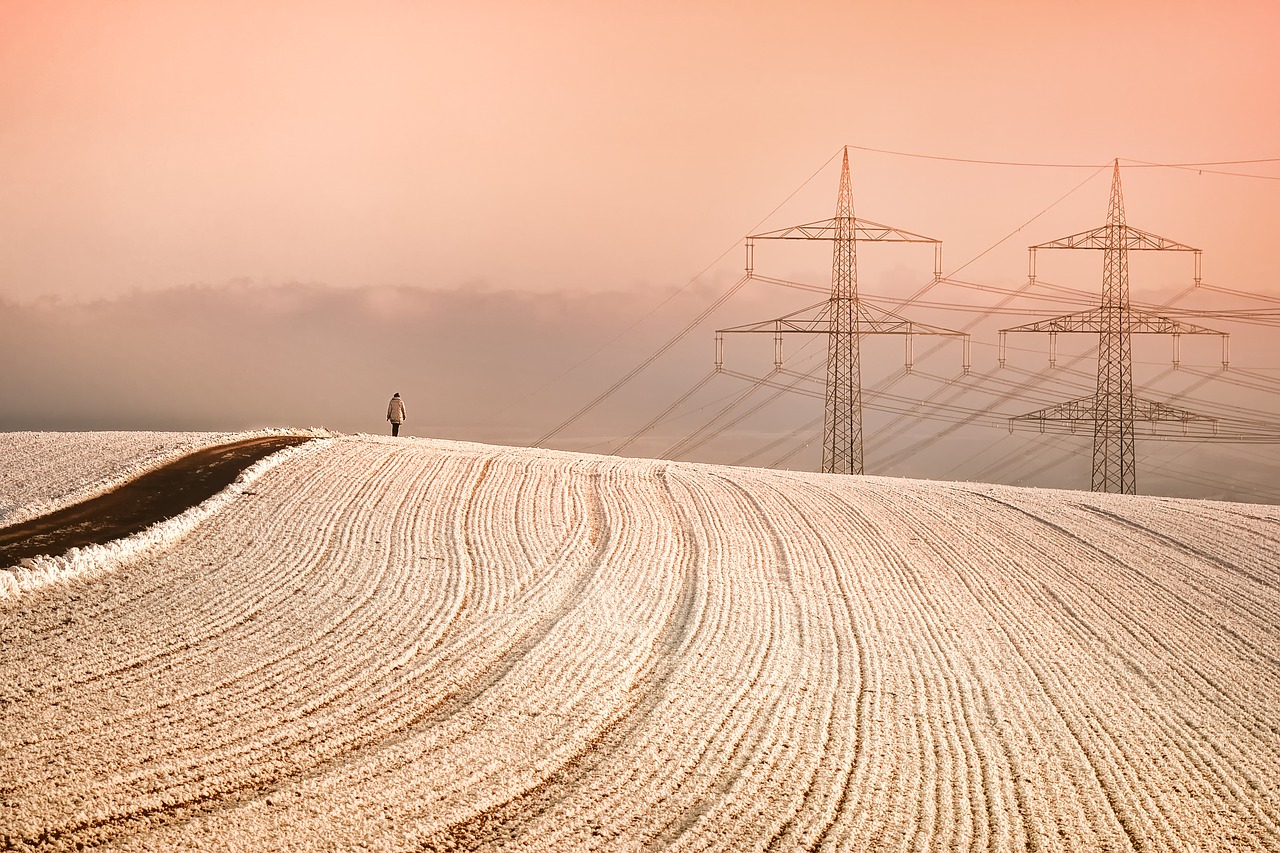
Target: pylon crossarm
813,326
1144,323
1150,410
1131,238
1135,322
1082,321
883,322
1084,409
794,322
891,325
863,229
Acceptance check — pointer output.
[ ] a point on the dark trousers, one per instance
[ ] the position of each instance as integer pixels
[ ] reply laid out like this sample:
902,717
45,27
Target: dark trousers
395,430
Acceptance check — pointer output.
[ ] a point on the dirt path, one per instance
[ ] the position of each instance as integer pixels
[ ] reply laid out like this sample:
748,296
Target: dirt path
155,496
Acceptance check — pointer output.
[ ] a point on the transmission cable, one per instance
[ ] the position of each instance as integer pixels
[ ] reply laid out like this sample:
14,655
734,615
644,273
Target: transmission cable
662,350
668,410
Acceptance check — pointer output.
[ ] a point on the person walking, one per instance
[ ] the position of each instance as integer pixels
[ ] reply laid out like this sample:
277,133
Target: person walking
396,413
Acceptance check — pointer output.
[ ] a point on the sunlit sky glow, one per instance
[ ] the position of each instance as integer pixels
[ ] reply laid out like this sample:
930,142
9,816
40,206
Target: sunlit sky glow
221,215
590,145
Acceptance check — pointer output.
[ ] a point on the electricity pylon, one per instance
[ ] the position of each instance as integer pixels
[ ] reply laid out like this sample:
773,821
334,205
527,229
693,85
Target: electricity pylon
844,318
1113,408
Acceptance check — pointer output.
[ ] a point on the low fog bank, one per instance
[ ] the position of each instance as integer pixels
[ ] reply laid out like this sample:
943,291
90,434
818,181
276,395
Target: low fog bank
247,356
506,367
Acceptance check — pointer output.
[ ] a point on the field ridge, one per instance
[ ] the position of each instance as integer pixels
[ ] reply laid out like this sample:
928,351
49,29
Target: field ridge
430,645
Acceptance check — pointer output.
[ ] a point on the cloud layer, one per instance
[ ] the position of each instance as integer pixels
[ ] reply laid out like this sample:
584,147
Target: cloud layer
506,367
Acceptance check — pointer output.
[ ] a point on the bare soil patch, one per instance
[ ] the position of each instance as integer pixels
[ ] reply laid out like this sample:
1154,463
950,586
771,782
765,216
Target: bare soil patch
136,505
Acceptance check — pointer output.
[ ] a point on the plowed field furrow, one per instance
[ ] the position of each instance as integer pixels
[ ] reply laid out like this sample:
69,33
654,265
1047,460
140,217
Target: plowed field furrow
975,810
1189,733
875,806
428,645
831,674
725,657
1108,767
1193,576
545,811
1205,619
787,734
1178,738
129,749
168,598
44,471
1240,570
489,820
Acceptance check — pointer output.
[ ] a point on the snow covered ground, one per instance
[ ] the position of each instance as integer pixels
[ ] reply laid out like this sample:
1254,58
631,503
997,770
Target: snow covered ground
44,471
420,645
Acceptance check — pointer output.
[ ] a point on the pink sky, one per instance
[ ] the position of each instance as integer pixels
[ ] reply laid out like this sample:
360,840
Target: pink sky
580,145
468,202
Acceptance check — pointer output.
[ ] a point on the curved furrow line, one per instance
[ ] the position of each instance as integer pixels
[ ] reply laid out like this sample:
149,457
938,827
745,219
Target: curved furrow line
974,817
177,592
963,816
1113,782
984,770
655,773
433,645
1004,593
1215,761
628,538
887,810
1195,572
1212,615
379,615
999,699
751,786
1133,763
159,664
1159,665
534,496
139,789
844,751
605,796
1120,766
824,634
1183,571
729,655
1245,548
137,668
960,824
1198,609
1238,540
990,796
385,708
555,809
464,718
875,796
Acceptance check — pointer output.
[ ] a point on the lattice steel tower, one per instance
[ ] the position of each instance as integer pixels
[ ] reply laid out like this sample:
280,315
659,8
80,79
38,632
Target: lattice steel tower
842,425
844,318
1113,409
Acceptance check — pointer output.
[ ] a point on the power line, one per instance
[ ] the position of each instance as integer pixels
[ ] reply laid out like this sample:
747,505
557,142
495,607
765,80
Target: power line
1200,166
669,344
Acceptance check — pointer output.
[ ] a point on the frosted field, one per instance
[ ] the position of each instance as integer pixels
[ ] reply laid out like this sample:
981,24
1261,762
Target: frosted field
44,471
425,645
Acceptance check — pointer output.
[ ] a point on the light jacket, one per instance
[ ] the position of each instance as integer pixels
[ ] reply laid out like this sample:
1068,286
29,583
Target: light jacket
395,411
